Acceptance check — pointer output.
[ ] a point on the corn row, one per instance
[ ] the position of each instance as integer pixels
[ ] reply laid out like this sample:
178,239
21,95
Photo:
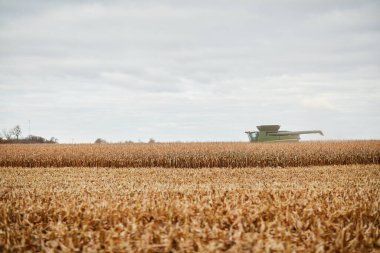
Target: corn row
192,155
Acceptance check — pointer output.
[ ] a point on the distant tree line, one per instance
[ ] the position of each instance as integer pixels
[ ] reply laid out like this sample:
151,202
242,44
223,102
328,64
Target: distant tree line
103,141
14,136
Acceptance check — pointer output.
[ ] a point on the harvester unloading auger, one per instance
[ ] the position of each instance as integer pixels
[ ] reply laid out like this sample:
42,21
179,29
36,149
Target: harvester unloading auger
271,133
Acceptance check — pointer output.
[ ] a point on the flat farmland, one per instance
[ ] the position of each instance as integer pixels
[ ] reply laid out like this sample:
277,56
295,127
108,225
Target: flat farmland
50,204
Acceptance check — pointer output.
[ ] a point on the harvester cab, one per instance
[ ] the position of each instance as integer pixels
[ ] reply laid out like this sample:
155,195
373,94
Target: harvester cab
271,133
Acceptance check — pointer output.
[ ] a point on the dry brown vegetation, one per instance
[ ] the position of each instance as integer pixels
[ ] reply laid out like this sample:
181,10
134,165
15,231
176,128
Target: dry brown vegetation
192,155
81,205
313,209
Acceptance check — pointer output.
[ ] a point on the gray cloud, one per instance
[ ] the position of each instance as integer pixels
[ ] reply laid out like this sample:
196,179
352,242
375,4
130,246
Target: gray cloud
205,70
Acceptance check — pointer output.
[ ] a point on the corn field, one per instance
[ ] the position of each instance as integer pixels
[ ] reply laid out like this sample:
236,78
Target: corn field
193,197
191,155
304,209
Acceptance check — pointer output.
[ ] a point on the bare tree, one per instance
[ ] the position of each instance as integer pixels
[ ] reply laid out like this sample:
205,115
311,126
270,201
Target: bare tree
53,140
7,134
16,131
100,141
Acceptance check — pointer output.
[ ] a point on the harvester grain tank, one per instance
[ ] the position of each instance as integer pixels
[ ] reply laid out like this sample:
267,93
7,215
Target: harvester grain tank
271,133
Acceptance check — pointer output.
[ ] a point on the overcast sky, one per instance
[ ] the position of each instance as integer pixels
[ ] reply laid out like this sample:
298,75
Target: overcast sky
189,70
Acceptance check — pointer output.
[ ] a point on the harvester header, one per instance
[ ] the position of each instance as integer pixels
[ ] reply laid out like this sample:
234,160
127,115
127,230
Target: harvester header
271,133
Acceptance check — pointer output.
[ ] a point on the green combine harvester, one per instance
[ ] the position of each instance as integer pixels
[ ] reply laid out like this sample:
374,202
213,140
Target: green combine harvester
271,133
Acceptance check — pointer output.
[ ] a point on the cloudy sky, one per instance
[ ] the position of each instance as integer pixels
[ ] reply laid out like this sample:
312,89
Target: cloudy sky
189,70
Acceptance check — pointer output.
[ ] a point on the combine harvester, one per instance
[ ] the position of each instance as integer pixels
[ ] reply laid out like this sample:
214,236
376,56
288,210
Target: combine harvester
271,133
